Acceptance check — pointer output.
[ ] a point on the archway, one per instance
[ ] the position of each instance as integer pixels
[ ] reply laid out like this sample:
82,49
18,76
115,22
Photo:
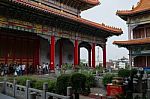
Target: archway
99,55
64,52
86,47
83,55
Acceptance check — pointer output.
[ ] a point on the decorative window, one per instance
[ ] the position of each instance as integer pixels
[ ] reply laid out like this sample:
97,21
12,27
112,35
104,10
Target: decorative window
148,32
138,33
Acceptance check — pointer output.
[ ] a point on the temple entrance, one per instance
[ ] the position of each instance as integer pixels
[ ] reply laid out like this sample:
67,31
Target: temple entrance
83,56
64,52
99,55
18,47
86,47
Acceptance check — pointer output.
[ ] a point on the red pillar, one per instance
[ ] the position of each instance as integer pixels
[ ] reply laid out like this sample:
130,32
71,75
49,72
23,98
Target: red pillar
60,53
52,53
78,55
104,56
76,60
93,55
89,58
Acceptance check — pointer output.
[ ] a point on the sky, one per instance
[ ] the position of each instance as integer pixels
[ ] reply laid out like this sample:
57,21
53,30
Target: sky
106,13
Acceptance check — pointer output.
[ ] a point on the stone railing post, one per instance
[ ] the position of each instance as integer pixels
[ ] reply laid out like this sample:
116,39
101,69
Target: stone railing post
45,89
33,95
27,89
69,92
14,88
4,86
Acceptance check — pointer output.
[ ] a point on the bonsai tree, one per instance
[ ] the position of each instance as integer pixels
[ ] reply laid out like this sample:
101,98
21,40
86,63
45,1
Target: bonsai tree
107,79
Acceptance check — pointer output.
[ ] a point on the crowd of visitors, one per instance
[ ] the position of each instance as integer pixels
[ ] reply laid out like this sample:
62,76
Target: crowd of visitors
22,69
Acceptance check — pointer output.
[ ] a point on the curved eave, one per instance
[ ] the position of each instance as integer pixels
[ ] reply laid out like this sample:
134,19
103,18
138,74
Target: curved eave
132,42
92,2
129,13
89,4
109,30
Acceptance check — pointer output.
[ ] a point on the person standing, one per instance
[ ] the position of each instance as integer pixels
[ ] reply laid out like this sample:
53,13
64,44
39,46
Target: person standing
23,68
47,68
44,67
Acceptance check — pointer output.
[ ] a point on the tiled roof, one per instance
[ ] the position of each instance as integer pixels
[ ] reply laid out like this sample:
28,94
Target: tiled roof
133,42
93,2
112,30
143,5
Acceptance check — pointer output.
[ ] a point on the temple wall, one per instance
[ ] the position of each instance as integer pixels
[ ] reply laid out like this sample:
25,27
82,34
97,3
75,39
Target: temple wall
140,19
44,51
67,53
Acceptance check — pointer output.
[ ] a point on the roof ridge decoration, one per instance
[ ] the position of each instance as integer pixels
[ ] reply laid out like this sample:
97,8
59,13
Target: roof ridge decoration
142,6
108,26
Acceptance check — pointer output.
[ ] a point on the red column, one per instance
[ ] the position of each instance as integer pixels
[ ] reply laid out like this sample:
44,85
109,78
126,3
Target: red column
60,53
76,53
52,53
89,58
93,55
104,56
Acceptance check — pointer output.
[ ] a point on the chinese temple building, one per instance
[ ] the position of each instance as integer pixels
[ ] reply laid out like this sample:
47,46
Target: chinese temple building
50,31
138,20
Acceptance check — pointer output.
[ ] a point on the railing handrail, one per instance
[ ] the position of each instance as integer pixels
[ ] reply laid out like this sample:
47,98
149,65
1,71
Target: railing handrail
20,86
32,91
57,96
35,90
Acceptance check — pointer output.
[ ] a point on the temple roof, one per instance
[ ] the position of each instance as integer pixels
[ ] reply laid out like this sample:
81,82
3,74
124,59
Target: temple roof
82,4
132,42
142,7
111,30
93,2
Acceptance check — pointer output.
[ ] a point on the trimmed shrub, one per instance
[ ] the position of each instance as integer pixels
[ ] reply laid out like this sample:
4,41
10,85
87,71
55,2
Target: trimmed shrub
37,83
124,73
90,81
63,82
78,81
108,78
133,72
127,73
22,80
51,85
